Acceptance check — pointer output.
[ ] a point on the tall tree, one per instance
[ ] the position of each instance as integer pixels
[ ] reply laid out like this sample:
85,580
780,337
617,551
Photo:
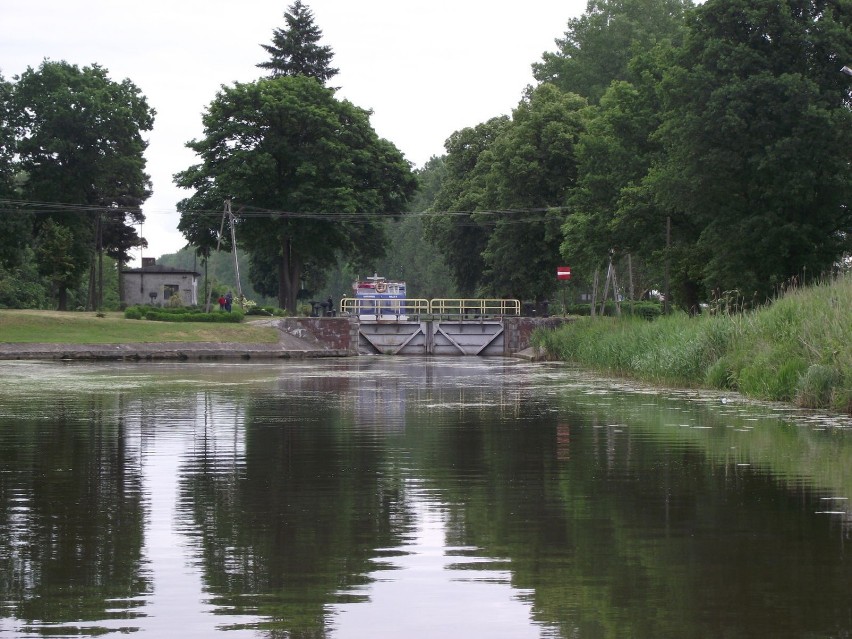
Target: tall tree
80,144
295,49
533,166
758,139
307,174
612,206
17,227
451,227
599,44
7,139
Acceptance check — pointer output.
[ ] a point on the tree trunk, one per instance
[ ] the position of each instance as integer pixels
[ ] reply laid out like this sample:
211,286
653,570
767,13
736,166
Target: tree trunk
289,274
120,267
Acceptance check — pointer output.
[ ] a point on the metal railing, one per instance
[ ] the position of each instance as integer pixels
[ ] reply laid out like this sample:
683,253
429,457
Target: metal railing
473,308
391,309
411,308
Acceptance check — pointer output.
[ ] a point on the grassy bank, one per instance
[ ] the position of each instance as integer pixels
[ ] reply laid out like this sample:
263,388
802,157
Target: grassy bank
798,349
53,327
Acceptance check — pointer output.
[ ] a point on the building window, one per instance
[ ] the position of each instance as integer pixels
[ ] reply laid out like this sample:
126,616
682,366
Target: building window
169,290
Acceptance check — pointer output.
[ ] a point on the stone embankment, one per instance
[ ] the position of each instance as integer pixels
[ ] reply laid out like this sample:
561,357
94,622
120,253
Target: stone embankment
298,338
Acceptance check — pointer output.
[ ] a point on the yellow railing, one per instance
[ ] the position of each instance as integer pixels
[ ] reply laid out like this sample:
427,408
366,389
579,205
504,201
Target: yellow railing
474,308
410,308
384,308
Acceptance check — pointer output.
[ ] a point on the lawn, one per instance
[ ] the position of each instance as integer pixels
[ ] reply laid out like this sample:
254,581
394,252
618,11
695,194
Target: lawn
54,327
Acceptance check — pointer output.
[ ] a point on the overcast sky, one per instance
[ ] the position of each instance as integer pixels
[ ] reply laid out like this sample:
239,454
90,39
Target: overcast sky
426,68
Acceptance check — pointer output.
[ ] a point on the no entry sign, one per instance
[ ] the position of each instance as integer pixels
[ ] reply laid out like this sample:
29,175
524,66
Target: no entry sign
563,272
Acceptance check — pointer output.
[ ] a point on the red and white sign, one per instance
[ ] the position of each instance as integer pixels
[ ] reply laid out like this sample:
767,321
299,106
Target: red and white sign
563,272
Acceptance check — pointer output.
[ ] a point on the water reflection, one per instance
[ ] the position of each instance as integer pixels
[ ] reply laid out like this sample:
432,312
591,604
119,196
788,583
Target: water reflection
410,497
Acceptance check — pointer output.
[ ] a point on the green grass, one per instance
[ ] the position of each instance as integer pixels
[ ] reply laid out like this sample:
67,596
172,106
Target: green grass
53,327
798,349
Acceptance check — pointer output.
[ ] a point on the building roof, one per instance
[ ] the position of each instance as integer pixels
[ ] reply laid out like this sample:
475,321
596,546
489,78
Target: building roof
159,269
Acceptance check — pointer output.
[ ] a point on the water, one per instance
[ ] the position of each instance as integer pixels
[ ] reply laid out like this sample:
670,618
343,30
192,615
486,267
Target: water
405,497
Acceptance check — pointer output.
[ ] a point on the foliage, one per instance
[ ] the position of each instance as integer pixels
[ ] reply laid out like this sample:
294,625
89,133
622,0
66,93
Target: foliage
646,310
219,269
531,169
311,178
79,142
795,349
598,45
758,140
294,49
450,227
497,216
610,210
7,142
22,286
182,314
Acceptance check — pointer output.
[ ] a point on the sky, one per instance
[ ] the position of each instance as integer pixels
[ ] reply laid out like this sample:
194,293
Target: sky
425,68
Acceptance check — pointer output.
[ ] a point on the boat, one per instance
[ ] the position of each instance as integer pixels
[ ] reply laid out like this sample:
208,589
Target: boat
377,297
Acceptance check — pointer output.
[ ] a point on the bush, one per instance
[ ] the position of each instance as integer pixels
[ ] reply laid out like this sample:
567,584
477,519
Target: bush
645,310
182,314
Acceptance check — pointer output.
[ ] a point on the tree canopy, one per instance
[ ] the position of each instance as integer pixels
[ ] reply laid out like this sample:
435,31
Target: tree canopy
758,140
295,49
715,148
79,166
307,174
599,44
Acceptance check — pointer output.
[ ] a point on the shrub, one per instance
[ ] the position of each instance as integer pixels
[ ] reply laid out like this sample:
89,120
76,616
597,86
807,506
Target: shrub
182,314
816,387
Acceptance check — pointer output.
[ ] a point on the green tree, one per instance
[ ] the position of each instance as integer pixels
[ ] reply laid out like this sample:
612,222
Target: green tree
309,177
532,169
59,256
295,49
599,45
612,207
450,226
758,139
79,143
17,228
7,140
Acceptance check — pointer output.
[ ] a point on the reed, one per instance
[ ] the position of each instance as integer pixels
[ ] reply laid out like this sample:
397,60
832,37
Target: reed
796,349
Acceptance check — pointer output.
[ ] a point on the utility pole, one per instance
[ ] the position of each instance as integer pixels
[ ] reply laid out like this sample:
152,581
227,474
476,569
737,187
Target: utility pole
232,220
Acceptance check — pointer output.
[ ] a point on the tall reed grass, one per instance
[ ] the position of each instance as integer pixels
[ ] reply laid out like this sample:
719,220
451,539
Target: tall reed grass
796,349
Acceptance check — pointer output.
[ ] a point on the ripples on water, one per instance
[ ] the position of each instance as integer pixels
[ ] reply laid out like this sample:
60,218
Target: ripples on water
388,497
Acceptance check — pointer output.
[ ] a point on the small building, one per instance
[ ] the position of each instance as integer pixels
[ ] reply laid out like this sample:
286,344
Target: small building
156,284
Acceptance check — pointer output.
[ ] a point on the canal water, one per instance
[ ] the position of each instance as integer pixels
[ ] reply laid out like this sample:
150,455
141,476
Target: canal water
417,498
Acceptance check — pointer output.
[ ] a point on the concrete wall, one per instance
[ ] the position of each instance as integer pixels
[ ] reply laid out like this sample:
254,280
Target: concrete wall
335,333
342,333
518,330
139,286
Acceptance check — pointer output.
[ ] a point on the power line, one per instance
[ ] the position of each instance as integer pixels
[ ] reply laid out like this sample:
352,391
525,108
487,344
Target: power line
16,206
